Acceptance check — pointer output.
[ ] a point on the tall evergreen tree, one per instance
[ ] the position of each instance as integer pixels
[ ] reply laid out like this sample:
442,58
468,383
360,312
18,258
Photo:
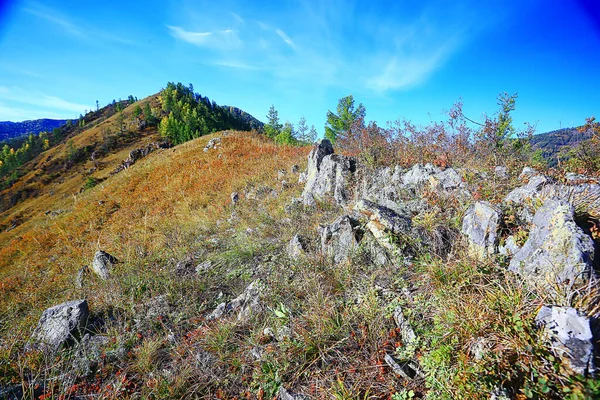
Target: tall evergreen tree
273,126
338,124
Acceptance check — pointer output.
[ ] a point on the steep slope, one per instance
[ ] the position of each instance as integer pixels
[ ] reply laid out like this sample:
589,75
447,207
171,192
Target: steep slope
9,130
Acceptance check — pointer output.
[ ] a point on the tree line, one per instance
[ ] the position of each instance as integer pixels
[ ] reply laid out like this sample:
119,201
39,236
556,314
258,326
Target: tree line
189,115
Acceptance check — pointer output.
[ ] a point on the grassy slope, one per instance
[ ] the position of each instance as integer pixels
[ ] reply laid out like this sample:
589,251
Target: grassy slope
171,211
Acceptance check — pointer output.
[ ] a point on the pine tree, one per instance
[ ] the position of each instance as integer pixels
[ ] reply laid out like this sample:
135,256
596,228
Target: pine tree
302,131
312,134
338,124
273,126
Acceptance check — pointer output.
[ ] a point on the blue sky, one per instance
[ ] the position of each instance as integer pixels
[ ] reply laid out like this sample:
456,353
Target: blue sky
401,59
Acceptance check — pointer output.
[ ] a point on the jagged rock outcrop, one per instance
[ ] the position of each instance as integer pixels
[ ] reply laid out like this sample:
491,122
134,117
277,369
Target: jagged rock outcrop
480,227
570,335
59,325
102,263
244,305
340,238
584,197
527,192
328,174
557,250
139,153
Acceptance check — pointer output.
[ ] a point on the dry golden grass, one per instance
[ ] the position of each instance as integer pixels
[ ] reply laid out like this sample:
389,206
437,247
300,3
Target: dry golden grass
129,215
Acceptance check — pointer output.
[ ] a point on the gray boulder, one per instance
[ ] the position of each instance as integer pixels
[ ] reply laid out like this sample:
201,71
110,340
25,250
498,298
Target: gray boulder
419,174
447,179
557,250
480,228
527,173
384,217
340,239
102,263
244,305
383,221
59,325
570,335
501,172
297,247
527,192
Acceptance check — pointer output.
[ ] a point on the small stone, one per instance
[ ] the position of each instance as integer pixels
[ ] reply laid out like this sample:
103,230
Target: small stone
406,331
245,304
101,263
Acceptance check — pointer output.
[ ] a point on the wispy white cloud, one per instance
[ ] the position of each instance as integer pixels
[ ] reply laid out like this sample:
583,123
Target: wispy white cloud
52,16
81,30
236,64
345,43
238,18
221,40
263,26
285,38
39,99
405,72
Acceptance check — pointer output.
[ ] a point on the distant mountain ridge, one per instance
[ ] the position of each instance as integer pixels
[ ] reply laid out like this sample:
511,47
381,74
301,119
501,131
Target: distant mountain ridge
9,130
561,140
